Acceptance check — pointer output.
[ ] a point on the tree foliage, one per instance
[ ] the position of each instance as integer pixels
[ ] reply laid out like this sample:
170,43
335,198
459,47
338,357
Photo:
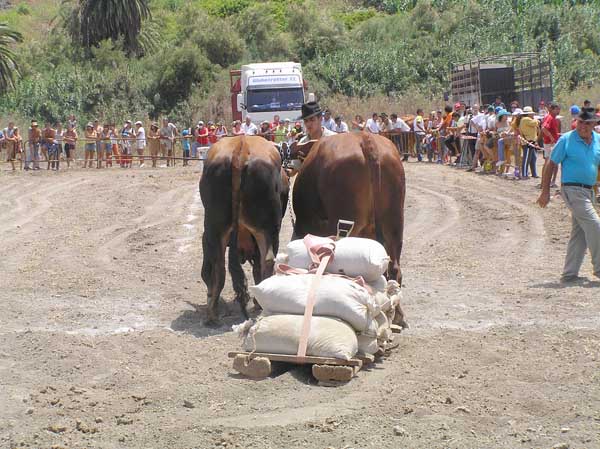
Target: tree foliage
92,21
360,48
9,69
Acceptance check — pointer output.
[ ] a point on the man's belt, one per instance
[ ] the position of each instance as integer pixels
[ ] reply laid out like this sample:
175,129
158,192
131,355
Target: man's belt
576,184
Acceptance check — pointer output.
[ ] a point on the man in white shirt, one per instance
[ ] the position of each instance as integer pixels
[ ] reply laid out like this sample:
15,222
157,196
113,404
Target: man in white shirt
167,138
328,122
397,127
311,115
249,128
340,125
420,132
478,124
491,118
399,124
372,125
140,136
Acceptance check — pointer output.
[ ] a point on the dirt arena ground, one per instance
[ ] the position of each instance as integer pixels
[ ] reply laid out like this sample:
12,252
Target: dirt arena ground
102,343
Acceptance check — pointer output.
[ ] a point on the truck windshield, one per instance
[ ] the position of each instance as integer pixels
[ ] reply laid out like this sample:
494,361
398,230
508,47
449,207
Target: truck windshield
281,99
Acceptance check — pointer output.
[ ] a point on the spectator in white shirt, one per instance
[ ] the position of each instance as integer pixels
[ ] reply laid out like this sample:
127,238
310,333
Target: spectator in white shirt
399,124
340,125
397,127
327,122
140,136
249,128
372,125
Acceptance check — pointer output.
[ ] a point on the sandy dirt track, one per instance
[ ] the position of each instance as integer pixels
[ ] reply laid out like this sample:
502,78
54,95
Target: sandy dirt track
102,343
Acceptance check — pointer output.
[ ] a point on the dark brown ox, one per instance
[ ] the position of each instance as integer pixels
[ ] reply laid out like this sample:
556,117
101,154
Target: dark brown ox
244,192
357,177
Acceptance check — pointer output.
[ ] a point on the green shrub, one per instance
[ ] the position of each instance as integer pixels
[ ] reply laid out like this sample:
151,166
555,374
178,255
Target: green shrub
181,69
23,9
263,40
351,19
224,47
225,8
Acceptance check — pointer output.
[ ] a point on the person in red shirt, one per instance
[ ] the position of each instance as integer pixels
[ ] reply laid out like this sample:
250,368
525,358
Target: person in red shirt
202,135
551,133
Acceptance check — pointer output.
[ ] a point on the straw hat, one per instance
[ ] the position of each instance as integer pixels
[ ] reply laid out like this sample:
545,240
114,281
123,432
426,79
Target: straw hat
527,110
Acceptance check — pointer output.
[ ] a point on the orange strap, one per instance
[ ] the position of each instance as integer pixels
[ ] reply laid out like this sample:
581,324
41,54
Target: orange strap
310,303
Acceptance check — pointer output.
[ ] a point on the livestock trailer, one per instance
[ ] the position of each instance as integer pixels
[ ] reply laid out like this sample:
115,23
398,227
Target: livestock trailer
525,77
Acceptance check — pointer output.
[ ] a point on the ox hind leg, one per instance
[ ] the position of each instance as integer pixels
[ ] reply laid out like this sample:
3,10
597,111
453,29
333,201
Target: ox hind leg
213,270
238,277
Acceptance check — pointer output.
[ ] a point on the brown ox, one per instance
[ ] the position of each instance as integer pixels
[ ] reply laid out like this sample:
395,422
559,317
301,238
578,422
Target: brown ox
244,192
357,177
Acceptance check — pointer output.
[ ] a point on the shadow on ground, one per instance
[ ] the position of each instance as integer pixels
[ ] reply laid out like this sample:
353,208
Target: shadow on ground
192,321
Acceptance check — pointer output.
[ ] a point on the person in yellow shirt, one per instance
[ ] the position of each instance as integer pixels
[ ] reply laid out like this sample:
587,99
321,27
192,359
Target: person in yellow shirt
529,129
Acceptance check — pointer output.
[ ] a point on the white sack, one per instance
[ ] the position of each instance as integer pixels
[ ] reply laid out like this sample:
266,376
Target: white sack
354,256
379,285
367,345
280,334
335,297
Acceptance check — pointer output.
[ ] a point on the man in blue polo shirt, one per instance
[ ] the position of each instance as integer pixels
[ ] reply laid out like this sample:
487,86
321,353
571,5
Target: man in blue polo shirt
578,152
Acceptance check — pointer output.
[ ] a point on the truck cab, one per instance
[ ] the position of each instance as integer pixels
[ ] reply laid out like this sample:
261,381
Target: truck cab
268,89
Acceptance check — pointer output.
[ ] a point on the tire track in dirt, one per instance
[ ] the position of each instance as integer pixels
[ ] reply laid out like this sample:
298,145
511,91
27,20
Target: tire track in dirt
447,213
533,236
155,214
33,204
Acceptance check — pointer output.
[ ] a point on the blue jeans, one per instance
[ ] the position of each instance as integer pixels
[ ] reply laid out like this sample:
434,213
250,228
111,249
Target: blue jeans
529,159
501,149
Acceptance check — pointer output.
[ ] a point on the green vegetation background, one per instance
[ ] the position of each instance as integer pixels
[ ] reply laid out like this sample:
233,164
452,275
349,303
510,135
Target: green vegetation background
358,55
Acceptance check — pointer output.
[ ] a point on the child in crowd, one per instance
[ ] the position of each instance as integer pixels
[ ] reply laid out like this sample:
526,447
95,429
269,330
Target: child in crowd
154,143
221,131
70,139
90,145
186,145
114,145
127,134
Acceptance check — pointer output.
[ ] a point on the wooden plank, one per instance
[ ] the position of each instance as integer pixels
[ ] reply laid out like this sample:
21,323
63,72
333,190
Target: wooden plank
395,328
299,360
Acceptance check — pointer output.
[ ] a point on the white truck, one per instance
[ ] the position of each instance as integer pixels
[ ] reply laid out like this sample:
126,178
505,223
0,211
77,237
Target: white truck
268,89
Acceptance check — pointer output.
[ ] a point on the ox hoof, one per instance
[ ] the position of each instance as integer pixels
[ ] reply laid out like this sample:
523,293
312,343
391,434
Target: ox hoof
256,368
212,321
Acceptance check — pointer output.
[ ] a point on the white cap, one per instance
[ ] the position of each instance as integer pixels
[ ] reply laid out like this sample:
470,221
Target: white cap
138,123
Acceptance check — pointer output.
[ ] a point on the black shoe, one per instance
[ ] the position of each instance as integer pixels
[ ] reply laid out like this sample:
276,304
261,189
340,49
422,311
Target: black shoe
571,279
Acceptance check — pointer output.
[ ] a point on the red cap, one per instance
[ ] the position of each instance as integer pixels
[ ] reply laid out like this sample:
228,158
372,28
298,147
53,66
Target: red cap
457,106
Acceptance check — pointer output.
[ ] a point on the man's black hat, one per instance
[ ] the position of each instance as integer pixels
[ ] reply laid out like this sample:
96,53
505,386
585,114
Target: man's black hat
588,115
309,110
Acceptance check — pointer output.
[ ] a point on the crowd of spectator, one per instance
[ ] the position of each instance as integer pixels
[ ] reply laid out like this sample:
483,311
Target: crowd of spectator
491,138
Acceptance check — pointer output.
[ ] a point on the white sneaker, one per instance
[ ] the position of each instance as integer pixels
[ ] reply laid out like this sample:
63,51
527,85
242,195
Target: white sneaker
142,165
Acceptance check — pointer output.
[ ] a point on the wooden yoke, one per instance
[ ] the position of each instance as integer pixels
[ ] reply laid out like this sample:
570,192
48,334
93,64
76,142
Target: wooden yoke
301,150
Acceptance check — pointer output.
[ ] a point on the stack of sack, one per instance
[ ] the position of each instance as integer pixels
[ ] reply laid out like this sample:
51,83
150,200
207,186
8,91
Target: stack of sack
353,308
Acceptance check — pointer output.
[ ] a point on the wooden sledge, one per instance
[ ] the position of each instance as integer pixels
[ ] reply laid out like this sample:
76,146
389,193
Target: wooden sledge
328,371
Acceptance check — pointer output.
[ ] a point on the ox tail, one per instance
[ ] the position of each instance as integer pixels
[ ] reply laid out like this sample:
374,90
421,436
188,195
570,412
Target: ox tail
239,156
373,159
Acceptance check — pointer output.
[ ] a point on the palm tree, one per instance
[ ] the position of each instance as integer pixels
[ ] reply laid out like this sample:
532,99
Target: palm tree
93,21
9,70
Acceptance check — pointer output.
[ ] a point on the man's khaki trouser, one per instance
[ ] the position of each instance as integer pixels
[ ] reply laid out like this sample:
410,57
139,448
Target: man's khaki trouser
585,230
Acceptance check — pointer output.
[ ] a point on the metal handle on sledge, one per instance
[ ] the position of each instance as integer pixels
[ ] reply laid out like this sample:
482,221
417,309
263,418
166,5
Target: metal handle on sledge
344,228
